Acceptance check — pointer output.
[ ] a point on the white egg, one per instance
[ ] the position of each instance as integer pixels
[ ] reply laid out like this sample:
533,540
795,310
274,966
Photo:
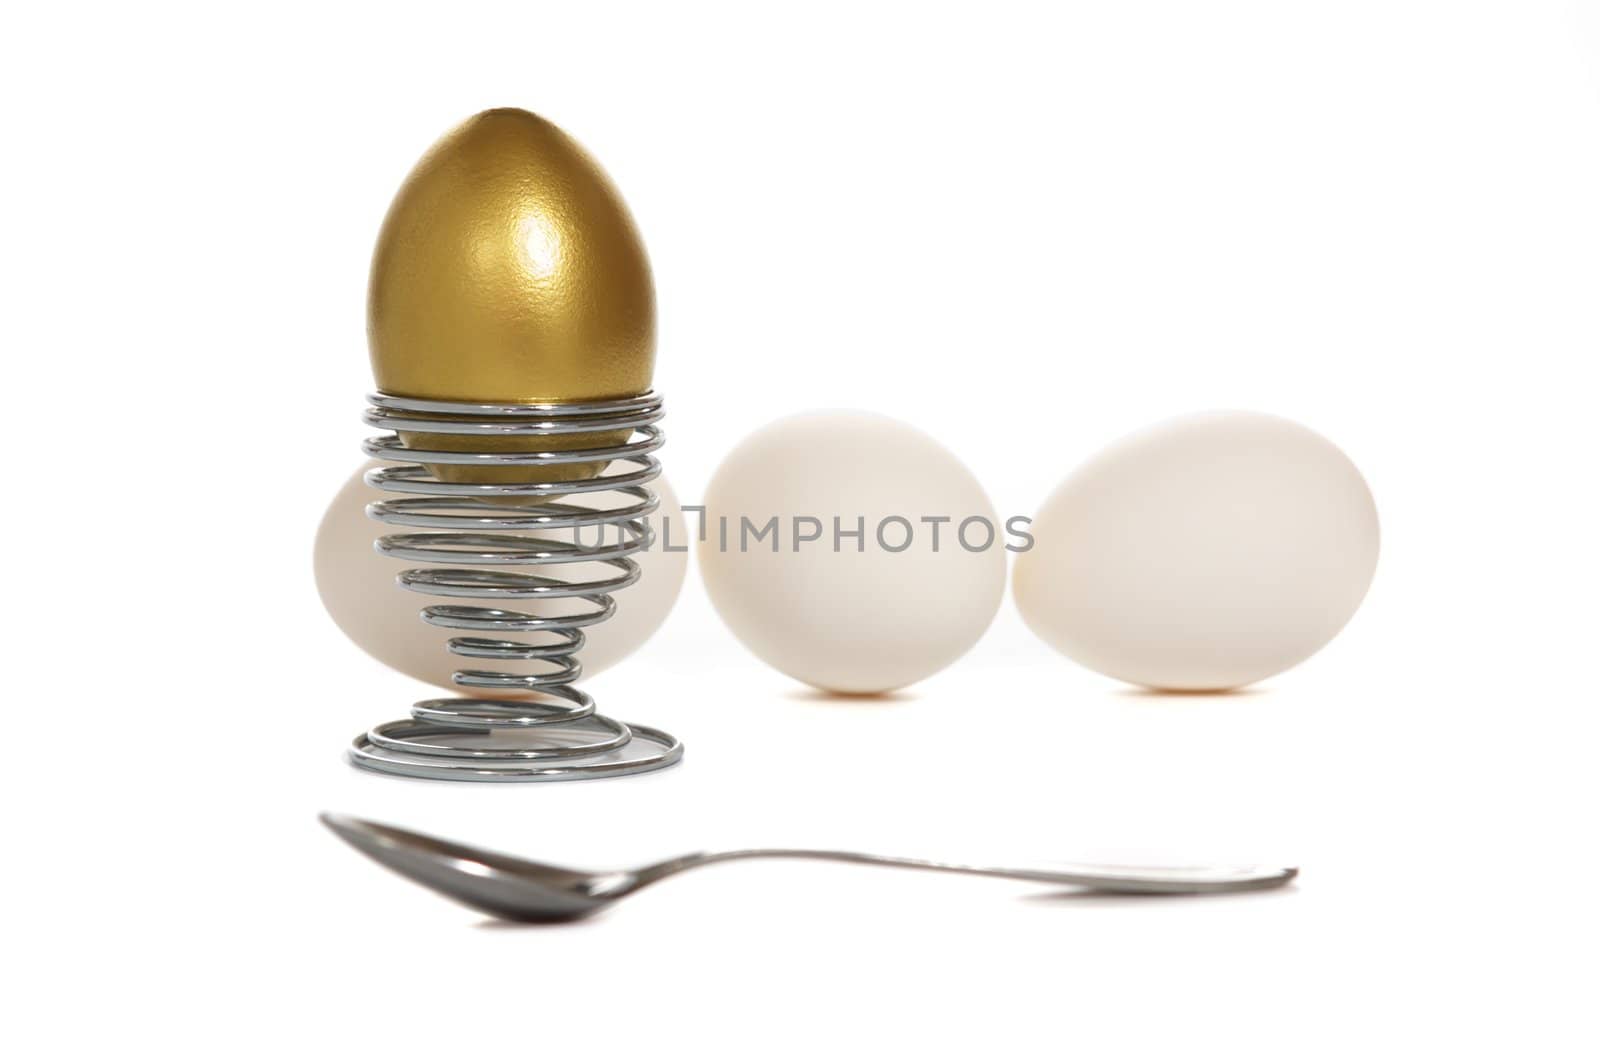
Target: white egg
842,612
1203,553
359,591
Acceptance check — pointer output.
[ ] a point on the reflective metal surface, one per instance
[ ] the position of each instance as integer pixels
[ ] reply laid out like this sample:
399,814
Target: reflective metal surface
540,727
528,891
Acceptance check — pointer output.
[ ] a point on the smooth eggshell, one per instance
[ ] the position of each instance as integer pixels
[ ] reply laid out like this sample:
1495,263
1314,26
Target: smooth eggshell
1203,553
358,589
850,621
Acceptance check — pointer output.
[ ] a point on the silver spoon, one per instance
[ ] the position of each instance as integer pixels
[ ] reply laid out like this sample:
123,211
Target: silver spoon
530,892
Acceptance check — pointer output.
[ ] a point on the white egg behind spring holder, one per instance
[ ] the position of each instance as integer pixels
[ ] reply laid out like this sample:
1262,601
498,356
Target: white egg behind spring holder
356,584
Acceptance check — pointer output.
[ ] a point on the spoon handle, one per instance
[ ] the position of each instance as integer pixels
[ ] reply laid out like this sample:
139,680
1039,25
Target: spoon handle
1106,878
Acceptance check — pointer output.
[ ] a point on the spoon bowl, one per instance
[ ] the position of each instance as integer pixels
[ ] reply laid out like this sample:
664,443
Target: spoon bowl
501,885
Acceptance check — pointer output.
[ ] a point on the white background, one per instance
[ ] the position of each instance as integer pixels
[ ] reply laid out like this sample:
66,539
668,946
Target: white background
1025,231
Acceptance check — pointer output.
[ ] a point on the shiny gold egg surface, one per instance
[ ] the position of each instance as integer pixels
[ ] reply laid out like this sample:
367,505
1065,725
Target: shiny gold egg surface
508,270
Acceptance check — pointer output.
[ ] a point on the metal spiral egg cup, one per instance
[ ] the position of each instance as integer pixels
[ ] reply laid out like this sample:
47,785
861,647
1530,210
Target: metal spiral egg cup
557,735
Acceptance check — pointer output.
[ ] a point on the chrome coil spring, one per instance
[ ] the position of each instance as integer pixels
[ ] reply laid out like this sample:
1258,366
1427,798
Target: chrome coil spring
465,507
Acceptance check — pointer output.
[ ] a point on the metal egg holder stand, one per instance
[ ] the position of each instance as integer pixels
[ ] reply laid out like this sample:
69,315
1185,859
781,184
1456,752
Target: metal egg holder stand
496,524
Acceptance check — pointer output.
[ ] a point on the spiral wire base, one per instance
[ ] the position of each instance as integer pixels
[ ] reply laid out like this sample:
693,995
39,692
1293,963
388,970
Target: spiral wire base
477,498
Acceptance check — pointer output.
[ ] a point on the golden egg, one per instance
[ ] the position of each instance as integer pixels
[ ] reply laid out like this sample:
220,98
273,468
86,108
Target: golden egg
508,270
